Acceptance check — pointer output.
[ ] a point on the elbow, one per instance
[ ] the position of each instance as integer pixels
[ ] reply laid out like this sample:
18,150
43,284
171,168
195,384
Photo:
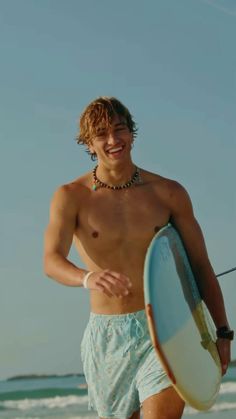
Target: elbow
46,271
47,266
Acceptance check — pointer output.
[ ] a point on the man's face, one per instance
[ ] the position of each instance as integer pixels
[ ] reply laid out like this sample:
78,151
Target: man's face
113,144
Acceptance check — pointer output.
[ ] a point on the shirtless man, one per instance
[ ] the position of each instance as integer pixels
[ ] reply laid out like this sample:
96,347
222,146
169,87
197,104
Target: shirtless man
112,214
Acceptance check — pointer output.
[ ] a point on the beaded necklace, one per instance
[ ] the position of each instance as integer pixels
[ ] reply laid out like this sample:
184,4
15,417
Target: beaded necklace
99,184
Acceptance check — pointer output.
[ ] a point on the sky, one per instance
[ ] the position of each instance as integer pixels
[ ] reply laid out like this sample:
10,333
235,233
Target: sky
173,64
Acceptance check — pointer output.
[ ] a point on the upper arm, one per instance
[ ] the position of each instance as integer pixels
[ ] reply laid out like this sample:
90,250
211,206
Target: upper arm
182,217
62,222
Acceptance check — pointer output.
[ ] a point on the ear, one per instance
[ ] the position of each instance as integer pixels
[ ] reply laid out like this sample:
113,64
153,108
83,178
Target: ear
132,142
90,147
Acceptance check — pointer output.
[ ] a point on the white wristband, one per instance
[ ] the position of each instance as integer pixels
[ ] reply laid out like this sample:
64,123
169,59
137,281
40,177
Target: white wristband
86,277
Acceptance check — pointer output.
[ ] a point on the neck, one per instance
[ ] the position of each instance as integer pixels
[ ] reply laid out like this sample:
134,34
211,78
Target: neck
115,175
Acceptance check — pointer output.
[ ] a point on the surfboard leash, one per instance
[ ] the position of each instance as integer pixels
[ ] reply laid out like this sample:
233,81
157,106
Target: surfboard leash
226,272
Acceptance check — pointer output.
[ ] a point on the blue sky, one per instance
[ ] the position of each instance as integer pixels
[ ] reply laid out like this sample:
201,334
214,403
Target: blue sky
174,65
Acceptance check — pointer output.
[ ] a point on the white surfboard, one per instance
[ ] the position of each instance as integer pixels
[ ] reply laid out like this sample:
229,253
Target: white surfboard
180,325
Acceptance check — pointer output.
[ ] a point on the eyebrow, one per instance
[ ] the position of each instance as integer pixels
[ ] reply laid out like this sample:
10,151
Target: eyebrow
120,124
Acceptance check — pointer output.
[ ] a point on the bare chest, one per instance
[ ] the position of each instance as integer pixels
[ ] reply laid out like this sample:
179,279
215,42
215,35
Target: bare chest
136,213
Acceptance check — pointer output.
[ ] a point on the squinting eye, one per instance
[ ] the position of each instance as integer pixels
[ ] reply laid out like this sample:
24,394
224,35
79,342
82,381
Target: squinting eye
121,129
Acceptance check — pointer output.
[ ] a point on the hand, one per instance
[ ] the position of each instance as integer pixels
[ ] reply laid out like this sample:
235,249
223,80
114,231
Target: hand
111,283
223,346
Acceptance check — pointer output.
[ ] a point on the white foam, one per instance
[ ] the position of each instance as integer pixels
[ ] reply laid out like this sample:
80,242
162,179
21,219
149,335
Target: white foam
229,387
50,402
64,401
190,411
218,407
83,417
71,417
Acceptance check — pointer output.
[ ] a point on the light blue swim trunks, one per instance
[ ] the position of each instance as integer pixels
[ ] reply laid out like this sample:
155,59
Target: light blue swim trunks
120,364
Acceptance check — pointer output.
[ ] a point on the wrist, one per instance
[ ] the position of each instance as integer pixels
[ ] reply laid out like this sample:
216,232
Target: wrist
85,278
224,332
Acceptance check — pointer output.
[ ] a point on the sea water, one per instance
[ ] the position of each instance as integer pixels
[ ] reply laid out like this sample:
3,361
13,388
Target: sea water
67,398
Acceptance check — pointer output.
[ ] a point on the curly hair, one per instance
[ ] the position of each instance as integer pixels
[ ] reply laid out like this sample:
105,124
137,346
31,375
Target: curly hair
98,116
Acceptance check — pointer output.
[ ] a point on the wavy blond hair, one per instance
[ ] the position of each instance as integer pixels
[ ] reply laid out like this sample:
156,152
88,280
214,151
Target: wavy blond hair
97,116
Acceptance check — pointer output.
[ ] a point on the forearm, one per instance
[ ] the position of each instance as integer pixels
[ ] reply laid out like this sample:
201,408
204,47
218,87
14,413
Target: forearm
212,295
63,271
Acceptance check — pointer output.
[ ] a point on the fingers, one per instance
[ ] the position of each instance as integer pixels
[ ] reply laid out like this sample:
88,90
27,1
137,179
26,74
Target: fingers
223,346
110,283
224,369
113,284
119,282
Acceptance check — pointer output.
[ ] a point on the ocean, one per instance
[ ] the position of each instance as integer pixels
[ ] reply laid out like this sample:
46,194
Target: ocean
65,397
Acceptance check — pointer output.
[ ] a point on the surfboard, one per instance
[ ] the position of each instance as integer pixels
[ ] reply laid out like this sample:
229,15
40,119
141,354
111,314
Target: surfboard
180,325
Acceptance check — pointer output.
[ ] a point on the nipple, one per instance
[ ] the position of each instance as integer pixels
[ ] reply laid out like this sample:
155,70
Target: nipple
95,234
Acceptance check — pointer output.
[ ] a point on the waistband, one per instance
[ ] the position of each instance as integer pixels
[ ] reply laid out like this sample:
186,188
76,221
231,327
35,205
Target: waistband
117,318
132,324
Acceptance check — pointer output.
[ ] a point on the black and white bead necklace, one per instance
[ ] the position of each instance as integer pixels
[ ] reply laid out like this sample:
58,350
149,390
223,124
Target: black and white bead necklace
99,184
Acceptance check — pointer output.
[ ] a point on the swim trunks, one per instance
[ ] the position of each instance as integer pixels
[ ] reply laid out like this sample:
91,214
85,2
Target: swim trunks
120,364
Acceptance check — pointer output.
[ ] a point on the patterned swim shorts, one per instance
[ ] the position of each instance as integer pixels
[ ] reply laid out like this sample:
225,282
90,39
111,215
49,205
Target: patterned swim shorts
120,364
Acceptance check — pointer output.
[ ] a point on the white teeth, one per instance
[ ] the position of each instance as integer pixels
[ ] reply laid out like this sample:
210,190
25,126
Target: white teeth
114,150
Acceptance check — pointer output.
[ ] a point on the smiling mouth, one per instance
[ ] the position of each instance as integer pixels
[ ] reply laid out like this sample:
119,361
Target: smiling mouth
115,150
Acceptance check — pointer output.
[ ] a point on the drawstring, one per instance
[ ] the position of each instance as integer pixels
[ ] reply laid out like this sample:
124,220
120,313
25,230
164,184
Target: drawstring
139,332
139,329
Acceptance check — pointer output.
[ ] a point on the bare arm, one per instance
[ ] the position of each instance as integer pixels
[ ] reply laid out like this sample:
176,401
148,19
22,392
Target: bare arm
58,239
183,218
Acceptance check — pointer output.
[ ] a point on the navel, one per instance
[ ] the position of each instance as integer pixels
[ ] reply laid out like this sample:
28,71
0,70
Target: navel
95,234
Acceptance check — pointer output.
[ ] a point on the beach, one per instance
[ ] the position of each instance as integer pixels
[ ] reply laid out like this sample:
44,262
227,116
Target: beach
66,397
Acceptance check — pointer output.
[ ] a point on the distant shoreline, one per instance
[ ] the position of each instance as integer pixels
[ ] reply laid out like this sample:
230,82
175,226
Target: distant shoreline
42,376
80,374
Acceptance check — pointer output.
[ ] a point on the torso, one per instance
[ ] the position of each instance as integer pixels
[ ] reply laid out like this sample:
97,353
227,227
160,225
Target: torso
114,229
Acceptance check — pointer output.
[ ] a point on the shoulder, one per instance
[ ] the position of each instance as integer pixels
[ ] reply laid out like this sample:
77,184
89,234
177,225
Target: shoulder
71,193
171,190
179,201
170,186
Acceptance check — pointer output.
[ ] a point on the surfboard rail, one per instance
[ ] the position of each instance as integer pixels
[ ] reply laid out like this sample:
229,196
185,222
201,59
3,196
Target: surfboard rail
180,326
156,344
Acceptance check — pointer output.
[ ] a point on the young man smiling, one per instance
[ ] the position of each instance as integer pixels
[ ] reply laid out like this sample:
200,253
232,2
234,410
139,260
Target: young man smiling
112,214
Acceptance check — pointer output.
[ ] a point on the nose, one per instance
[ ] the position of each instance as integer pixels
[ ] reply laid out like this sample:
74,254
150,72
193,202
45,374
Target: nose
112,138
